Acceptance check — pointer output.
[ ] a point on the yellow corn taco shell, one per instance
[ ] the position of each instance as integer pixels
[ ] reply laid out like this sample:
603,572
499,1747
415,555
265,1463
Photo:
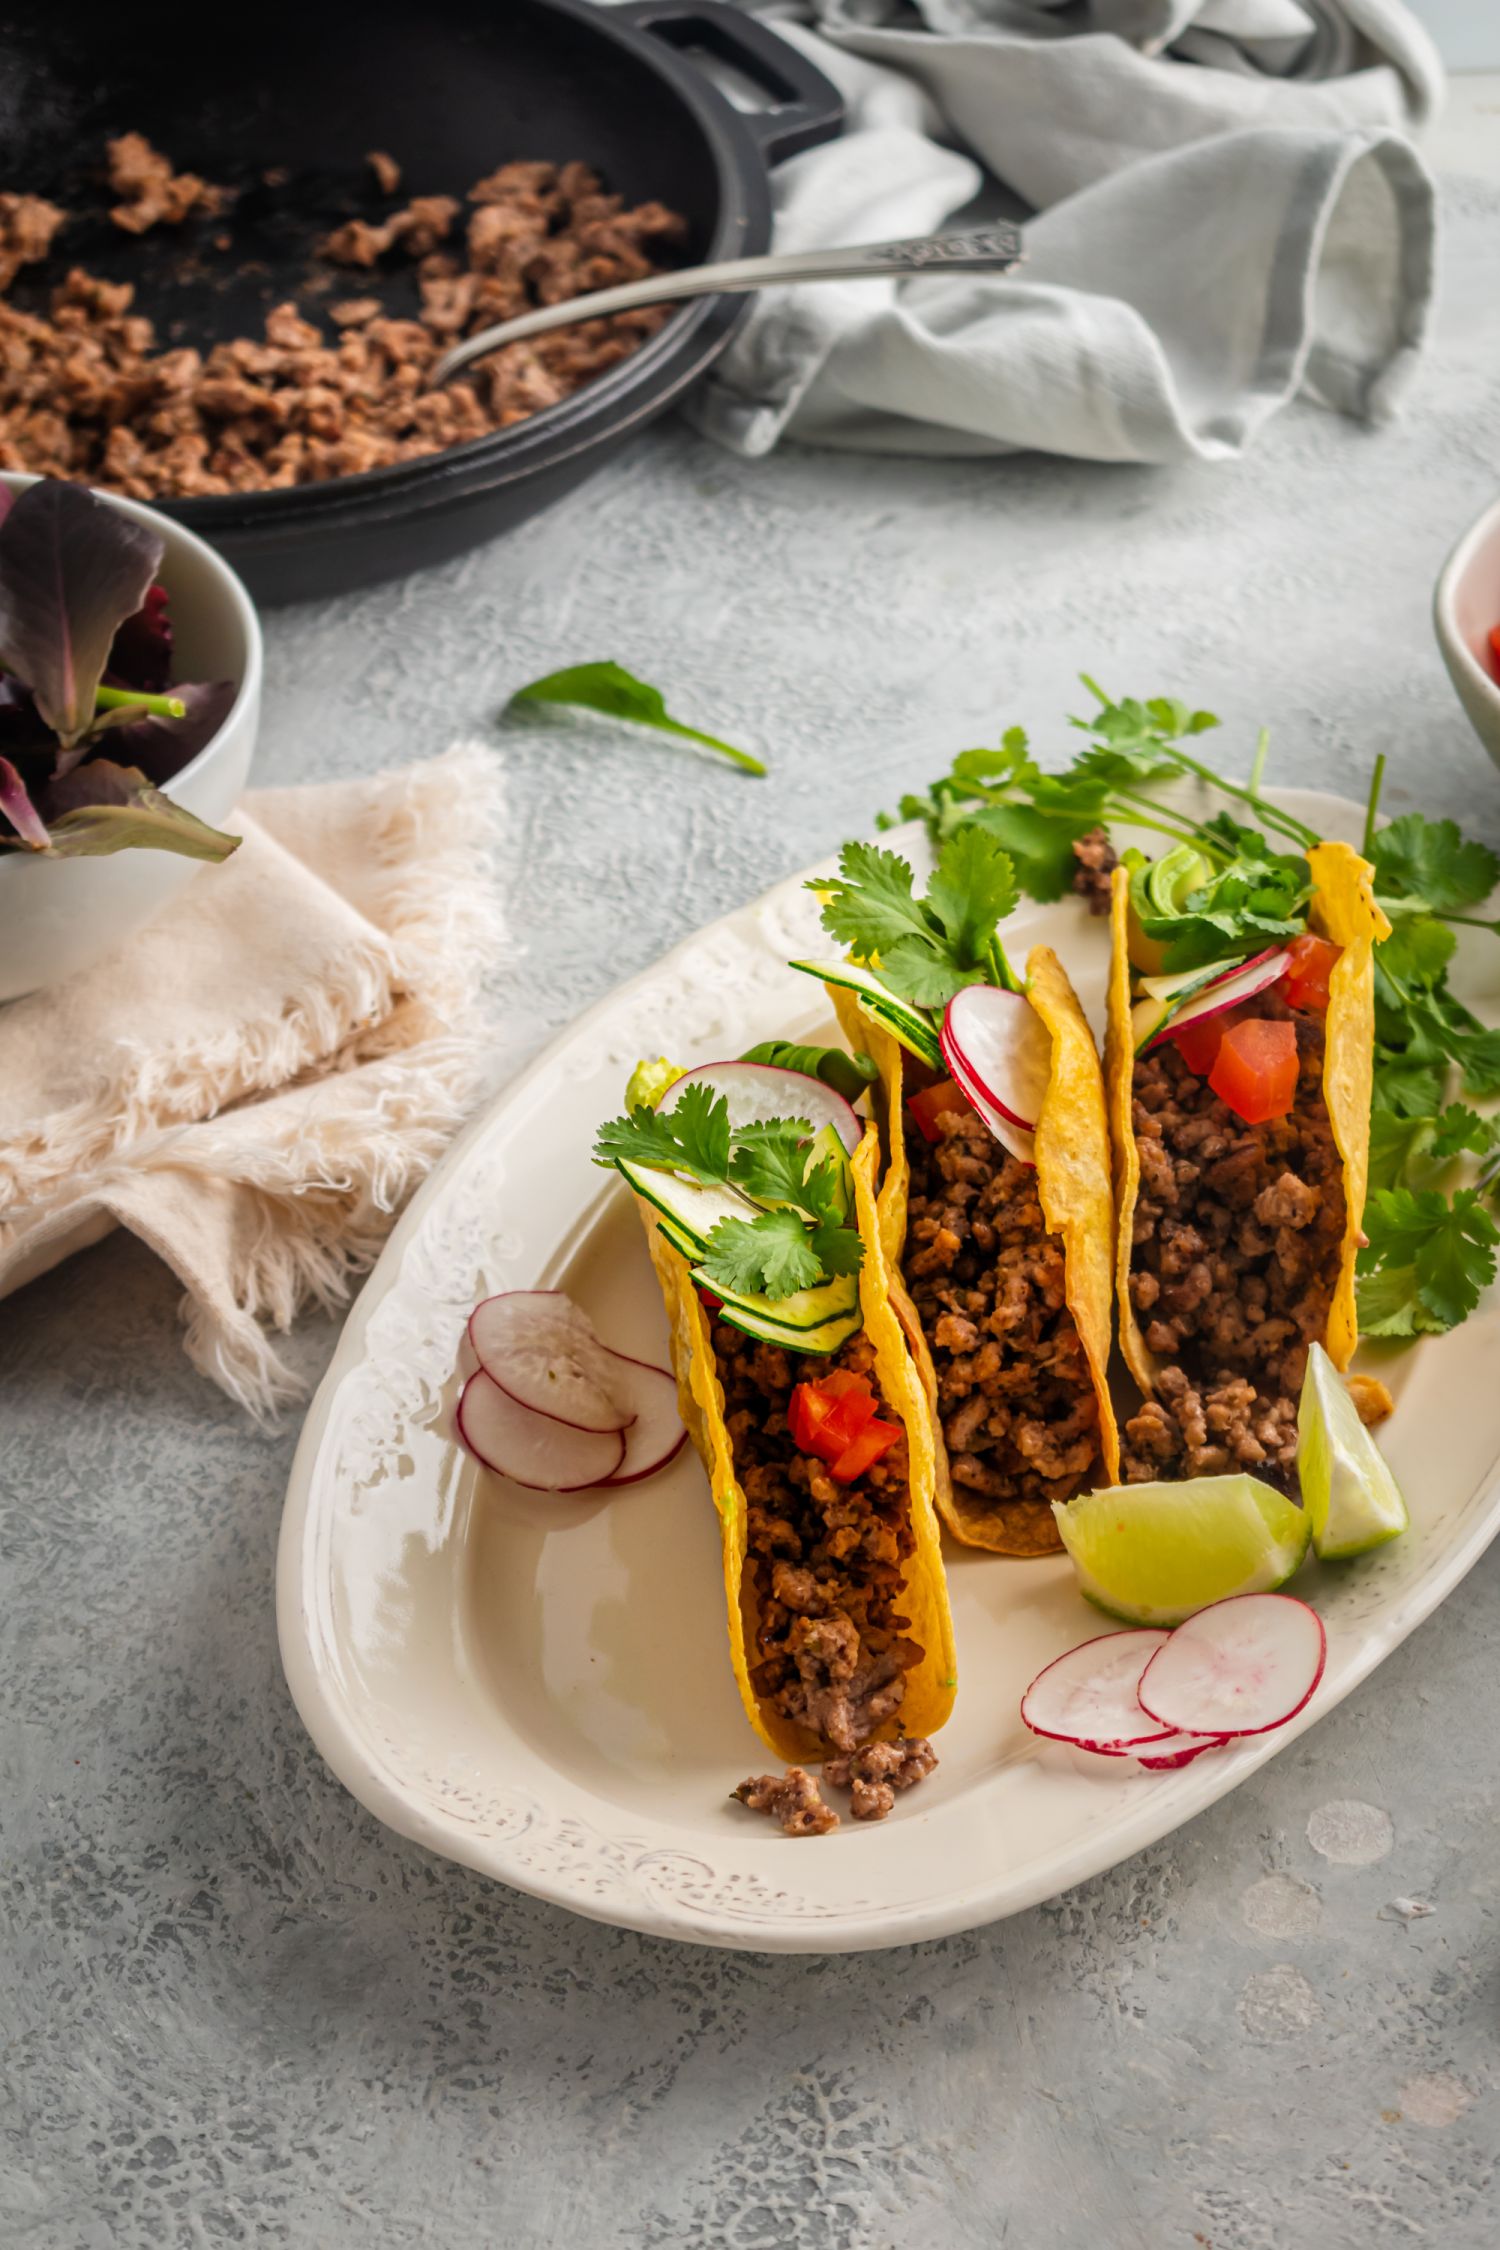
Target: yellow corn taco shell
930,1685
1073,1182
1344,910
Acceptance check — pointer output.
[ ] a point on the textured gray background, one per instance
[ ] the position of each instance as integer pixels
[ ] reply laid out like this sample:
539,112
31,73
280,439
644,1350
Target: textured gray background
236,2009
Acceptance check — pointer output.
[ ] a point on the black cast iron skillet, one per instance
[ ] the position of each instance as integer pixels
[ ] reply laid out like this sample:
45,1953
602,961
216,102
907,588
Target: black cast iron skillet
451,90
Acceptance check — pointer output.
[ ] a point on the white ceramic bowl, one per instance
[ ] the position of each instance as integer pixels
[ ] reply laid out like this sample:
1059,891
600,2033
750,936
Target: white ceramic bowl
1465,611
57,916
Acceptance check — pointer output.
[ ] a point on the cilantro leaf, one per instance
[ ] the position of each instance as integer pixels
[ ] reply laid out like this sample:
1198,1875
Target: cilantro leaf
925,949
870,906
1461,1130
1411,1086
838,1247
1010,764
1458,1259
771,1255
1479,1059
1038,844
1417,952
1389,1304
1448,1245
692,1136
922,975
770,1160
971,892
1432,860
1396,1142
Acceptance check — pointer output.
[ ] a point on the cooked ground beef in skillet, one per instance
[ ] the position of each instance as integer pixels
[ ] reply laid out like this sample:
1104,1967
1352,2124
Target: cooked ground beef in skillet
88,390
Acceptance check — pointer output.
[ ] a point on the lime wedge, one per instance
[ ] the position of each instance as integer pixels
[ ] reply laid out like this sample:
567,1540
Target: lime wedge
1352,1499
1155,1553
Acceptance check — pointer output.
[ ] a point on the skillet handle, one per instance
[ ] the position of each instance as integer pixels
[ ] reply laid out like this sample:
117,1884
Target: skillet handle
808,107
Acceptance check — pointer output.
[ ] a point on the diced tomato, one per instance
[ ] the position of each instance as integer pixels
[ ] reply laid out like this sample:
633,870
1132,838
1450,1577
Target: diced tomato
1198,1043
827,1416
1495,649
933,1101
873,1440
710,1303
1256,1069
1304,983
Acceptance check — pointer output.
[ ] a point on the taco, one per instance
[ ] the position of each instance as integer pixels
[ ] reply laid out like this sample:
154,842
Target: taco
757,1188
1239,1092
995,1227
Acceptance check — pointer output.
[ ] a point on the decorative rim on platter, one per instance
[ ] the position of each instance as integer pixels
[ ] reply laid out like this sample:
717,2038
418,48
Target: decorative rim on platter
376,1433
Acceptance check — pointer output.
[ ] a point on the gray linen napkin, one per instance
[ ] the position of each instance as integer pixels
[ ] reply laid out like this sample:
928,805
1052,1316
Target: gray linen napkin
1227,213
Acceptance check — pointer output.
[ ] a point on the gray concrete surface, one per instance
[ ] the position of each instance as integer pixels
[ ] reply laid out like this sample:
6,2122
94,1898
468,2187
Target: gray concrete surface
234,2009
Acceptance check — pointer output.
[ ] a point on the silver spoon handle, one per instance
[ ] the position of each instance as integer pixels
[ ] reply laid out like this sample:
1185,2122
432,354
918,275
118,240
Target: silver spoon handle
995,249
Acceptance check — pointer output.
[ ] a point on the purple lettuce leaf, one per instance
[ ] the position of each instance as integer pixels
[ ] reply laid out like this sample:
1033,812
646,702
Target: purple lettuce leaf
141,654
162,747
72,569
101,807
15,803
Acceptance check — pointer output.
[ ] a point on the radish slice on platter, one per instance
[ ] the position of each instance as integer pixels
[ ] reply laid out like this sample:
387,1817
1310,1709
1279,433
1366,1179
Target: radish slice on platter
1241,1666
541,1349
758,1092
658,1433
534,1449
1088,1697
1227,993
998,1039
1179,1750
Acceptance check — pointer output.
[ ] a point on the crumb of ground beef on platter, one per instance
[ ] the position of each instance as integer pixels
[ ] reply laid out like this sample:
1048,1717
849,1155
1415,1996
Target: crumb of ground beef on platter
1237,1246
86,392
1016,1395
875,1774
826,1559
792,1798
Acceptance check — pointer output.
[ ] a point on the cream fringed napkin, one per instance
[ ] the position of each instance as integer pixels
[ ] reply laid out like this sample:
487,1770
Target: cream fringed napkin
255,1081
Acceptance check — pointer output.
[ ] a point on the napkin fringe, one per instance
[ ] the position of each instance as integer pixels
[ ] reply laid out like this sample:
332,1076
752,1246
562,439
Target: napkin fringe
147,1092
325,1196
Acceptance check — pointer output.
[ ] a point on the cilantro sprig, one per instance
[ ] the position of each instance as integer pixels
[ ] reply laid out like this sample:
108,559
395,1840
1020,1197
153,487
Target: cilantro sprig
795,1231
925,949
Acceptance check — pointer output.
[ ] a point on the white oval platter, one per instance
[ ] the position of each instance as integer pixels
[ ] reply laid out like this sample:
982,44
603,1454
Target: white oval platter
540,1687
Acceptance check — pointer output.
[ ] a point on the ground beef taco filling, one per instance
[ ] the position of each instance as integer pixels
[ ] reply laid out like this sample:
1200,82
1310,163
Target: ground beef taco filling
1236,1252
826,1560
1015,1392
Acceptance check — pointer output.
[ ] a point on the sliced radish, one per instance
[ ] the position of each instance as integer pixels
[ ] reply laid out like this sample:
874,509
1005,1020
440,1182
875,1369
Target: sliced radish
1002,1043
541,1348
1021,1144
1227,993
657,1435
1241,1666
758,1092
1179,1750
1088,1697
1186,982
534,1449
